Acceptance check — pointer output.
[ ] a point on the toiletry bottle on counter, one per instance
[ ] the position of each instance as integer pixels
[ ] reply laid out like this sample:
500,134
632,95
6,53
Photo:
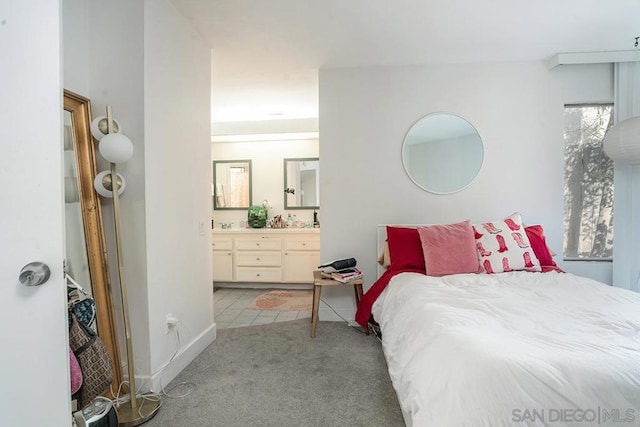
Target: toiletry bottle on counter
289,220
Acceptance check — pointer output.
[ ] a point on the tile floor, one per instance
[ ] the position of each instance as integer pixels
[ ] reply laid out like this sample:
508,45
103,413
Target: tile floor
230,309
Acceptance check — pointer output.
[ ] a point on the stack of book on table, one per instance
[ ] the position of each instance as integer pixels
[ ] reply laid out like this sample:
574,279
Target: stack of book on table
346,275
342,270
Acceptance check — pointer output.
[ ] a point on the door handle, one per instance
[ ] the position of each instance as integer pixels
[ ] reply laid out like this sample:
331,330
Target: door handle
34,274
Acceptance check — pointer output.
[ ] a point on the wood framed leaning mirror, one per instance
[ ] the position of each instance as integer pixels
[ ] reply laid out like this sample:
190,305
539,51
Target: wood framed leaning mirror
85,248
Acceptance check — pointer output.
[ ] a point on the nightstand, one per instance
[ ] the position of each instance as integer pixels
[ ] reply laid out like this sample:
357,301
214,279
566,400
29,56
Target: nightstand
318,282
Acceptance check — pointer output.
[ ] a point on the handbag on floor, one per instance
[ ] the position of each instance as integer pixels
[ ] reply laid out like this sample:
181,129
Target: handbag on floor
76,373
80,302
93,358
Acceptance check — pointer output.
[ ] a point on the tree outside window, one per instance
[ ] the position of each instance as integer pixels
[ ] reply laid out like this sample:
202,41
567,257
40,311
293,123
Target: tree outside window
588,183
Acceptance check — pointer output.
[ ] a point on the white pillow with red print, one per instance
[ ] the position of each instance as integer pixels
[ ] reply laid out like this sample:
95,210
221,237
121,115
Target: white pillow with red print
503,246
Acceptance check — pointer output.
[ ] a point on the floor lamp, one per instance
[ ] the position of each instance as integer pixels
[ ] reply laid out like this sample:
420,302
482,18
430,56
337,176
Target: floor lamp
117,148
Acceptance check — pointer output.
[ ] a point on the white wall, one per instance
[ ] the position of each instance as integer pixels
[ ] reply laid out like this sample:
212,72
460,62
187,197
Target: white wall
517,109
626,270
177,81
167,116
116,78
267,162
75,45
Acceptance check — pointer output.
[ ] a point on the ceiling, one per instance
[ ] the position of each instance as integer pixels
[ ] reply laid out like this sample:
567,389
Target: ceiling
266,53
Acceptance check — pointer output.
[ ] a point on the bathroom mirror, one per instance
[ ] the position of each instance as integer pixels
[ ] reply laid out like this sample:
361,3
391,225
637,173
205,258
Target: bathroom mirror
231,184
85,248
442,153
302,183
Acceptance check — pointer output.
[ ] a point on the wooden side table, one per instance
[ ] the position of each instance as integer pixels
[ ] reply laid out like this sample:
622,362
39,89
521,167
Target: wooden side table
318,282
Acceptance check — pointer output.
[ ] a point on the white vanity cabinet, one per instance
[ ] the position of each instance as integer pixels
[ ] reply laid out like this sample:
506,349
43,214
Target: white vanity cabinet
301,257
265,255
222,255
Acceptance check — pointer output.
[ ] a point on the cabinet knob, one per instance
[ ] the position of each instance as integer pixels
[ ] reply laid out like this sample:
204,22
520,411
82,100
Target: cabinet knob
257,259
258,275
304,244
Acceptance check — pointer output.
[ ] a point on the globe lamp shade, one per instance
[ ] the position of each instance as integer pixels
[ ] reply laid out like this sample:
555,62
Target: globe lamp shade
104,185
116,148
622,142
100,127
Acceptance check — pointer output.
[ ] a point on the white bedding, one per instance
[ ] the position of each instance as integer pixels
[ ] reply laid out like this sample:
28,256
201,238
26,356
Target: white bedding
513,349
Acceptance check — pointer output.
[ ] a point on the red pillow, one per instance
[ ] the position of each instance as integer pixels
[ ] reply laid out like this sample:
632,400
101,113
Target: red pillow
405,249
539,245
449,249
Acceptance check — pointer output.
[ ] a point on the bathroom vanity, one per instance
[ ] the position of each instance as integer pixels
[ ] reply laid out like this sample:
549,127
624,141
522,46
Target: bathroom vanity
275,256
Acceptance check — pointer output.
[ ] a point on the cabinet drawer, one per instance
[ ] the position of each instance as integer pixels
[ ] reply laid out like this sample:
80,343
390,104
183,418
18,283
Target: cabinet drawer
302,244
273,259
221,243
254,274
268,244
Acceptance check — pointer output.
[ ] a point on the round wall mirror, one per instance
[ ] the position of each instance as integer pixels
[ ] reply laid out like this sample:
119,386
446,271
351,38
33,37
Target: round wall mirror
442,153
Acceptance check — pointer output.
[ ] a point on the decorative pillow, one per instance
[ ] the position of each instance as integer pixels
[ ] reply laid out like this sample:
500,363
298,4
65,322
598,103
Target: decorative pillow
504,246
405,248
383,256
535,233
449,249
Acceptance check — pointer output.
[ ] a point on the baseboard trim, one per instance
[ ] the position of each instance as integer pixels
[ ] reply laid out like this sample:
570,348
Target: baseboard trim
190,352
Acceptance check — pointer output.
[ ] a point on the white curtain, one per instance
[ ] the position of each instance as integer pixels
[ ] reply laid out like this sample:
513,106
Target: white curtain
626,205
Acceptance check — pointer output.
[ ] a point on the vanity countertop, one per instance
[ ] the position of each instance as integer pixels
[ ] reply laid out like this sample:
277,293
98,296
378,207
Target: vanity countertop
266,230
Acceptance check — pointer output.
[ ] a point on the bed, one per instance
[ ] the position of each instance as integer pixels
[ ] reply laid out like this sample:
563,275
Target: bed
517,347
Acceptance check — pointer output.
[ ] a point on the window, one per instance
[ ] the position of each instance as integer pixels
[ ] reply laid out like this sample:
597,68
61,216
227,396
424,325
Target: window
588,183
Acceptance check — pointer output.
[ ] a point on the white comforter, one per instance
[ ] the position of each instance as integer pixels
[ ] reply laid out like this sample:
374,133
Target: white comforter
513,349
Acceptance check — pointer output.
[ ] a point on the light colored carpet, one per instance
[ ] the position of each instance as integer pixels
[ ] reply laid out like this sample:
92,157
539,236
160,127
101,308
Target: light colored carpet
276,375
283,300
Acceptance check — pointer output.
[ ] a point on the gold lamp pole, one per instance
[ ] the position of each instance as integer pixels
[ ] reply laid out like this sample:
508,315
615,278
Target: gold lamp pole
137,410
